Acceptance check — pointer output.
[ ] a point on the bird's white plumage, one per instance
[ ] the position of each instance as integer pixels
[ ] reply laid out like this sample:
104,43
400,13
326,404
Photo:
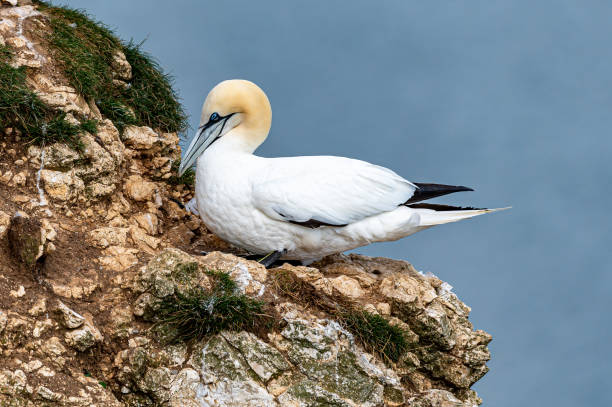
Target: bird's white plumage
331,190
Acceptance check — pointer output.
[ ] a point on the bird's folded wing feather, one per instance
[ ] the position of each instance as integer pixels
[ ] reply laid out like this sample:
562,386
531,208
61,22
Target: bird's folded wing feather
327,190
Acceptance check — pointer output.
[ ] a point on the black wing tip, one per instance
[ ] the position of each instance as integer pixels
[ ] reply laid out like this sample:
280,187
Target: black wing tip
464,188
426,191
442,187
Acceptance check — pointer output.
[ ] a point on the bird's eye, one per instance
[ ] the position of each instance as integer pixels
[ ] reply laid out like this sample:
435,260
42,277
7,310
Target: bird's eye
214,117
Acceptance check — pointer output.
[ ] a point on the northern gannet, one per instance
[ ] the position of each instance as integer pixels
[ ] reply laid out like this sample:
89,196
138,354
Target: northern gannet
297,208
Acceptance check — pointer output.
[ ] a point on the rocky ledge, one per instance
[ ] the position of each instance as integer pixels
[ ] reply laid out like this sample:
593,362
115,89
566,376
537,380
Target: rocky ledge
106,300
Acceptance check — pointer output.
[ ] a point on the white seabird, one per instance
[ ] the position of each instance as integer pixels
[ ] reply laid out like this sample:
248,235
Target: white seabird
297,208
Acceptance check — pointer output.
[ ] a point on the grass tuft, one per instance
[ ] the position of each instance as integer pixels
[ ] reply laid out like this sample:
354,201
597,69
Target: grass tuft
90,126
151,94
21,108
117,112
196,313
84,52
81,19
376,333
86,49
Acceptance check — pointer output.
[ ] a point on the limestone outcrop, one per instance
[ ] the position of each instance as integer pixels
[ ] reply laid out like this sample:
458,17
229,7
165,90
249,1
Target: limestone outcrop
308,357
101,265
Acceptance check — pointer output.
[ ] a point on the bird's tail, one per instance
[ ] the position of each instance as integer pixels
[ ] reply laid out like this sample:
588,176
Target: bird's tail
432,214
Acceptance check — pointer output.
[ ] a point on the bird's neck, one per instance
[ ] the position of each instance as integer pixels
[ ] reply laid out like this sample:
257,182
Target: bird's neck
240,140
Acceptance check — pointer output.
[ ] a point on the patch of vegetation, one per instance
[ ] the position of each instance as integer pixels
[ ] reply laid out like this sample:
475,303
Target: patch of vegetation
373,331
151,94
87,48
196,313
285,283
90,126
117,112
5,53
376,333
84,47
188,178
22,109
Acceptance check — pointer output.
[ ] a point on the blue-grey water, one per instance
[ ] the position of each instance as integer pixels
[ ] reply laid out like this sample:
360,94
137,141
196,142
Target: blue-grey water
513,98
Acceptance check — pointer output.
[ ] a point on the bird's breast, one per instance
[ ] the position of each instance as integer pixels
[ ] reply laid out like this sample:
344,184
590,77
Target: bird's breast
223,193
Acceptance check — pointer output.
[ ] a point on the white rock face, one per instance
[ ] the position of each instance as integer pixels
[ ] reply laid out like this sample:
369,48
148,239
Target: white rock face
57,156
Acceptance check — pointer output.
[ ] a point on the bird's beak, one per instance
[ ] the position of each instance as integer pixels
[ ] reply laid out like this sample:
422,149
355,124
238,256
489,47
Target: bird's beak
205,136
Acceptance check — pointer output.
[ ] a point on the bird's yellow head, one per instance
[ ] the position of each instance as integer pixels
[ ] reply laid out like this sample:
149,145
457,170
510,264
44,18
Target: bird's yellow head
236,109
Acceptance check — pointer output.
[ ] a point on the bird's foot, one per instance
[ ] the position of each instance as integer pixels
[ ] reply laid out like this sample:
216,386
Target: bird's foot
269,259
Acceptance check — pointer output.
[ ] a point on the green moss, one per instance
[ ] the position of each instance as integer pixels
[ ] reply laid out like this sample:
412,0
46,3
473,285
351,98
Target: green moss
22,109
376,333
29,250
196,312
340,375
86,48
225,360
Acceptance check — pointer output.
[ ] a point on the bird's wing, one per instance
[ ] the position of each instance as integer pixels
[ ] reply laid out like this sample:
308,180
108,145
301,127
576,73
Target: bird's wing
316,191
